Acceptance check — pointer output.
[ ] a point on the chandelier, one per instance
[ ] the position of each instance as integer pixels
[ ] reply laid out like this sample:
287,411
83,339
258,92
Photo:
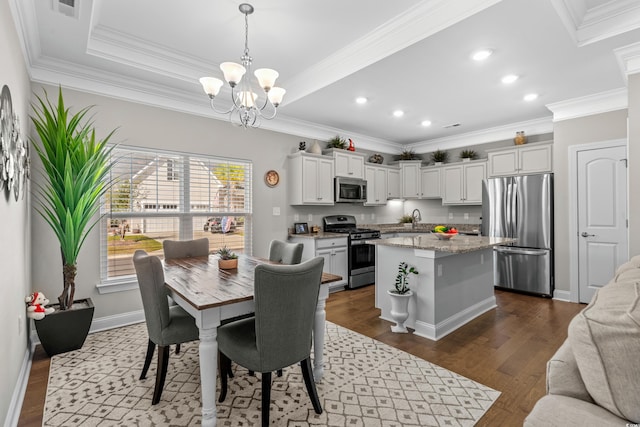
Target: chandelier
246,109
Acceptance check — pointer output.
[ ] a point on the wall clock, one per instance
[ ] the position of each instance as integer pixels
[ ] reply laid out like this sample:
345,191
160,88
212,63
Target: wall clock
271,178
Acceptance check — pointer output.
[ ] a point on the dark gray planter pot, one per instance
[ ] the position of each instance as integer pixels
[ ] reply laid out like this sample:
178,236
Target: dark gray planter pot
63,331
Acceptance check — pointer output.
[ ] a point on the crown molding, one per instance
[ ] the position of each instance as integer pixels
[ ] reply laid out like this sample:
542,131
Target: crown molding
586,26
629,59
24,13
417,23
603,102
485,136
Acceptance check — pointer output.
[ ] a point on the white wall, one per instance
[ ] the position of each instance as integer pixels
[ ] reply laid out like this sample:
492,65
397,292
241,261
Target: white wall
15,248
144,126
634,164
594,128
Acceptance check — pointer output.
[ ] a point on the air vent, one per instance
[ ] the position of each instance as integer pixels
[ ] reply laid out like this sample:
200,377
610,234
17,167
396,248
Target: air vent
65,7
453,125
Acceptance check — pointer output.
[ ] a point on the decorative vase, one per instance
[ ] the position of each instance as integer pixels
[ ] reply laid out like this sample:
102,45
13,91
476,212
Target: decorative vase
65,330
315,148
376,158
520,138
400,310
227,264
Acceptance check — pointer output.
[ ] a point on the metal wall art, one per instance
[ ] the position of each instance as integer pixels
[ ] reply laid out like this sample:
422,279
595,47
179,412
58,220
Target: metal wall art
14,154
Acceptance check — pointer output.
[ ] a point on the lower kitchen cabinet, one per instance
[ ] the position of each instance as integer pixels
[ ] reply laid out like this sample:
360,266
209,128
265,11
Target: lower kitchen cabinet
334,252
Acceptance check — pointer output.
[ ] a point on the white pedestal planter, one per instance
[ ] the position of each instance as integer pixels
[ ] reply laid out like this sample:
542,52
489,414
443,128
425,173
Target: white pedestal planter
399,310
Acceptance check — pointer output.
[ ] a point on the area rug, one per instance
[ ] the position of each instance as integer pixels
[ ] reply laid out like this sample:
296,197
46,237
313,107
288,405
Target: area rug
365,383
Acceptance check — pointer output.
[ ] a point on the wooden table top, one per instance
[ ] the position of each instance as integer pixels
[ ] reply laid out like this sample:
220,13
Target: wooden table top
200,282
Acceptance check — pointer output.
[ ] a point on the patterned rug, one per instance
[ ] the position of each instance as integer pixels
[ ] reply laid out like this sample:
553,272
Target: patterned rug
366,383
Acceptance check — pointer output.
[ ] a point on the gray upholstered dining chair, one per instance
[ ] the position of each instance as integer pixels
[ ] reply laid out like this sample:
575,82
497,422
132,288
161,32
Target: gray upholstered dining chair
166,324
185,248
280,334
285,253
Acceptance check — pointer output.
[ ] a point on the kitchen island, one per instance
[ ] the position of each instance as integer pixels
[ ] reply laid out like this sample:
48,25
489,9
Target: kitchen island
454,284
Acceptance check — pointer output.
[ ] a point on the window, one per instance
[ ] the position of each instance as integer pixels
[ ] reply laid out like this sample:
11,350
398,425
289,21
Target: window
147,204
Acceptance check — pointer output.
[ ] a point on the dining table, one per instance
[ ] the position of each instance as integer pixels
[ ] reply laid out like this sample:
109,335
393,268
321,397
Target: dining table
211,295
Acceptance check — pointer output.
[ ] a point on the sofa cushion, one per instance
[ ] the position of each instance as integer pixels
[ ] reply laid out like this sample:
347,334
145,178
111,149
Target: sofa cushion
630,270
605,339
563,375
562,411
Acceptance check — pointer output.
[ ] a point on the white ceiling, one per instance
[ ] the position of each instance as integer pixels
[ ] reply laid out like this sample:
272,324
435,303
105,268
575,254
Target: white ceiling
406,54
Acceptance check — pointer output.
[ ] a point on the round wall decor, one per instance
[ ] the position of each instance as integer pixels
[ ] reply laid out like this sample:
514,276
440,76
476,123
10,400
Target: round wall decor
271,178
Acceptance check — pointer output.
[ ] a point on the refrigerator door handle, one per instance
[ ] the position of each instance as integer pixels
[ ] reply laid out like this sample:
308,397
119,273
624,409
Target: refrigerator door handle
519,251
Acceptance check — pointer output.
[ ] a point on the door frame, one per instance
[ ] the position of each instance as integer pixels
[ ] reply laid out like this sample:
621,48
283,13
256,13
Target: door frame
574,271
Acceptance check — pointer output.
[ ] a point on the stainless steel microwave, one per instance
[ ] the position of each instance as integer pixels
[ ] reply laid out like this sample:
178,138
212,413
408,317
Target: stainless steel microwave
350,190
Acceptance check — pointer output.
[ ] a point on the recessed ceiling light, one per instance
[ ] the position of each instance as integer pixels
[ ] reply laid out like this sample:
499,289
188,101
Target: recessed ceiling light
531,97
481,55
426,123
398,113
509,78
361,100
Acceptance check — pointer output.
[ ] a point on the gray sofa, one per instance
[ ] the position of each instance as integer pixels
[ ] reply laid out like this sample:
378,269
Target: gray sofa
594,377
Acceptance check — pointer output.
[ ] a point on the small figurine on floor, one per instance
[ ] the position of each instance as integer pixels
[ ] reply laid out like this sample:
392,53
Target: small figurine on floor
36,306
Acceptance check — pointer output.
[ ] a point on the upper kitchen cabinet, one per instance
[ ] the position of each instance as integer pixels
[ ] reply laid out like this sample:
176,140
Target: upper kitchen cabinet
521,160
348,163
430,182
310,180
462,183
379,178
393,183
410,178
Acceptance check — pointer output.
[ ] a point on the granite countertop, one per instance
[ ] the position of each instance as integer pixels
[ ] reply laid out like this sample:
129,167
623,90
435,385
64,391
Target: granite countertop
457,244
389,228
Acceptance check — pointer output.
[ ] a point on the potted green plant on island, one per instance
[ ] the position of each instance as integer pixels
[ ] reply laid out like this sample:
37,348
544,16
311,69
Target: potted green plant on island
467,155
228,260
75,172
438,157
400,295
406,220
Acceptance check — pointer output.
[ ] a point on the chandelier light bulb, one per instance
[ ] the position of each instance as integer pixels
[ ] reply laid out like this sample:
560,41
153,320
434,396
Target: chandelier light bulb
247,99
266,78
275,95
211,85
232,72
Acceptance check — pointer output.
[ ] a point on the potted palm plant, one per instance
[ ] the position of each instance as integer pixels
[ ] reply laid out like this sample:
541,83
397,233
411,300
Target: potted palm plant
439,157
75,172
468,155
228,260
400,295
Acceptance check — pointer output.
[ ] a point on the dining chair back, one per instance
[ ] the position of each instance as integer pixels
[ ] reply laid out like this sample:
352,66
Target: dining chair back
185,248
166,325
285,253
280,335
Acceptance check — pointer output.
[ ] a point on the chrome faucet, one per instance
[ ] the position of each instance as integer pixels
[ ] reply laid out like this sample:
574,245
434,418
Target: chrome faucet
415,218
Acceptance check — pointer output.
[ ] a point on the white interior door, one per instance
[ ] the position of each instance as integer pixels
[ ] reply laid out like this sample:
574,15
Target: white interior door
602,216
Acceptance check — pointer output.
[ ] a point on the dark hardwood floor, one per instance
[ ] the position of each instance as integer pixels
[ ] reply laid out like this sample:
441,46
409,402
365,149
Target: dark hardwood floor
506,349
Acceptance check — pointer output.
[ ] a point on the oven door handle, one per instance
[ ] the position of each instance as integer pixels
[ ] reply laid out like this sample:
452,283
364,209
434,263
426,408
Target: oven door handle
360,242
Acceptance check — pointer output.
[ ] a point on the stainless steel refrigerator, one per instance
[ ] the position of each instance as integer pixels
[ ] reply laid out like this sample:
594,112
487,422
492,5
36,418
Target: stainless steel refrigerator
521,207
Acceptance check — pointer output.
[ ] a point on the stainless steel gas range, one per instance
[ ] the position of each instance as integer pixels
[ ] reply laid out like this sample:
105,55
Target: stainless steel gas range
362,256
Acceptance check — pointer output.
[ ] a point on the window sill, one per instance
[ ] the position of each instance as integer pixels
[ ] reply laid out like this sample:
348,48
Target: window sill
117,285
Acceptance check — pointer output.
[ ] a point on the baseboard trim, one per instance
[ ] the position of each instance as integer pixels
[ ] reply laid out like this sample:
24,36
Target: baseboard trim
441,329
562,295
15,406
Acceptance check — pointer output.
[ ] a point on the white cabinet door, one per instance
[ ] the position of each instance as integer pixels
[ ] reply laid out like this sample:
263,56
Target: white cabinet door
430,183
376,185
503,163
474,174
336,259
462,184
393,184
349,165
325,181
526,159
311,180
410,180
452,192
535,159
340,263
